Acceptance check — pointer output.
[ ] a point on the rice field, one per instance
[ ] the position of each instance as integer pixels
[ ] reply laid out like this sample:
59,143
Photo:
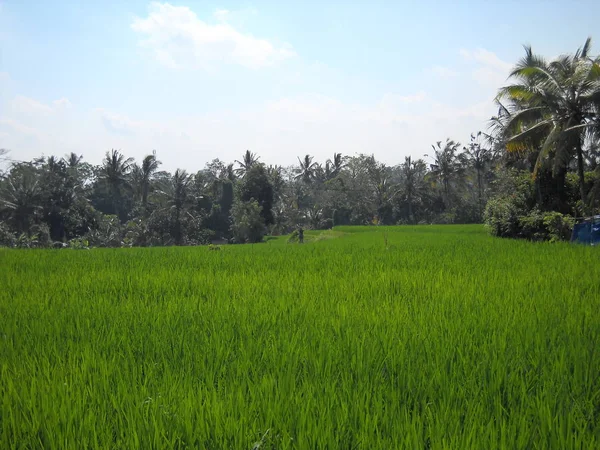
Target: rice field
426,337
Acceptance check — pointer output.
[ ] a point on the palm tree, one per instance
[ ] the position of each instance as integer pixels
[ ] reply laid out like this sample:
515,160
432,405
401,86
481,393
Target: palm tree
176,193
446,166
334,166
306,171
383,197
114,172
3,152
478,157
229,173
246,163
275,174
115,168
592,155
142,176
20,196
554,107
73,160
325,172
53,164
413,183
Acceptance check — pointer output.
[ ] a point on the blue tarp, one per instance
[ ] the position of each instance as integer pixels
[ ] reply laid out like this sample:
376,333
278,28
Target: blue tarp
587,232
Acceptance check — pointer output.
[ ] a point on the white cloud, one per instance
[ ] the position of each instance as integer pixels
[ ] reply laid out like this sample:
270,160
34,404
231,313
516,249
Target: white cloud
395,99
30,106
178,38
299,112
444,72
486,58
15,126
320,124
491,71
277,130
221,14
391,126
489,77
118,123
62,103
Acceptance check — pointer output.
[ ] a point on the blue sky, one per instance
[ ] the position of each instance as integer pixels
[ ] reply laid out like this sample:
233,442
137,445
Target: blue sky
202,80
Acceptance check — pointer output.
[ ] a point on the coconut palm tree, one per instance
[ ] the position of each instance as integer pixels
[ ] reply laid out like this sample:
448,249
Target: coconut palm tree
479,158
3,157
246,163
142,176
384,194
334,166
114,172
52,164
412,187
275,174
325,172
554,107
307,170
176,194
229,173
446,167
73,160
20,196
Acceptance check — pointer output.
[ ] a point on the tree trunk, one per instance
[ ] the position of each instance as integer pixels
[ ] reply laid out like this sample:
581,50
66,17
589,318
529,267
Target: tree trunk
581,173
447,194
144,195
538,191
178,237
480,195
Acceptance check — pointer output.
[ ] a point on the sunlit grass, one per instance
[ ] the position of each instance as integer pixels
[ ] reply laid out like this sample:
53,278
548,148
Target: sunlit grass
387,337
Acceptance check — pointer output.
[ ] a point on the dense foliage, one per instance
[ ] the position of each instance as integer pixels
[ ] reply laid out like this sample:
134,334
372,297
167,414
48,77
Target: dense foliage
530,176
120,203
549,127
380,337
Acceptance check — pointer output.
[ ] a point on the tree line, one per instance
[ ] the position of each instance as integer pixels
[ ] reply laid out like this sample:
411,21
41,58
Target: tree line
531,174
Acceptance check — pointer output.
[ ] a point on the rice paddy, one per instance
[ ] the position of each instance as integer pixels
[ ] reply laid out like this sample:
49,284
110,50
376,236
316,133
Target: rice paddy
363,337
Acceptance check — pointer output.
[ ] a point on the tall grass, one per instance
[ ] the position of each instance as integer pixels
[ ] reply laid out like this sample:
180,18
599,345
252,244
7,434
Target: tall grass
440,338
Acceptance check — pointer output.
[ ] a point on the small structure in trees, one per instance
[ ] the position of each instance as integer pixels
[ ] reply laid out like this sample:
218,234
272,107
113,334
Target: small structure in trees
587,231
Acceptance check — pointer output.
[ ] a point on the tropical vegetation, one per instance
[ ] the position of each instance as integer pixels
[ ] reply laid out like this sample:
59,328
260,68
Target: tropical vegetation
532,174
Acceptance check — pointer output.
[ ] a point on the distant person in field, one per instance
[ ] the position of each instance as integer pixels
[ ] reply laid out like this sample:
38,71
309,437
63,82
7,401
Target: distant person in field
300,235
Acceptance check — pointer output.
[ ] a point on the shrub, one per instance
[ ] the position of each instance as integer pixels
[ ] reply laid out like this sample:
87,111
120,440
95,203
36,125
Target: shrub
7,238
445,218
79,244
327,224
559,226
107,234
502,215
511,213
294,237
201,236
42,233
248,224
532,226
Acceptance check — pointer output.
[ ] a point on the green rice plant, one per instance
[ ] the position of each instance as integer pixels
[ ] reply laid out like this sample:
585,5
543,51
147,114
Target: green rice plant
448,339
